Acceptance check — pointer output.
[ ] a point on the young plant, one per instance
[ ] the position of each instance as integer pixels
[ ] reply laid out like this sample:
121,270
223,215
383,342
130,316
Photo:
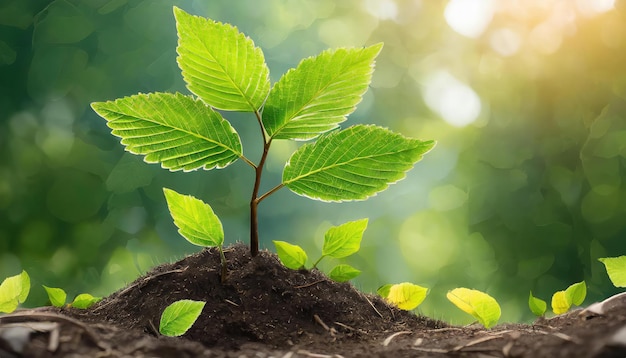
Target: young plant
13,291
178,317
476,303
561,302
406,296
225,71
339,242
58,297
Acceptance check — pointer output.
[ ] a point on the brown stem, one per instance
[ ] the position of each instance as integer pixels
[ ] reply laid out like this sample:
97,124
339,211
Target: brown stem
254,202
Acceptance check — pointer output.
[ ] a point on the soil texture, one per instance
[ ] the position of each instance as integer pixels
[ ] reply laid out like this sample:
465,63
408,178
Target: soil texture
263,309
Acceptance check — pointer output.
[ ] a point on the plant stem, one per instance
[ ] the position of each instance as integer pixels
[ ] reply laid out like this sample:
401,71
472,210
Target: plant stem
254,202
223,262
317,262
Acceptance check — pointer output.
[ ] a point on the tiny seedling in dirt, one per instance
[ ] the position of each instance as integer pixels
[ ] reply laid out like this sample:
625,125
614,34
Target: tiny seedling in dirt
339,242
406,295
561,302
178,317
57,297
225,71
476,303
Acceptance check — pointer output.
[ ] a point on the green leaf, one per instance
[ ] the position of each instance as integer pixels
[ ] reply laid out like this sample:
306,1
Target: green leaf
175,130
13,291
352,164
221,65
576,293
319,94
57,296
560,302
476,303
537,306
344,240
406,296
616,269
292,256
195,219
383,291
343,273
84,301
178,317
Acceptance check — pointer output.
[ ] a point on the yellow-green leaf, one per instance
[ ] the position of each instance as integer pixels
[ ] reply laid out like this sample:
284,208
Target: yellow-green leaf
406,296
616,269
195,219
476,303
560,302
576,293
57,296
343,273
178,317
344,240
13,291
84,301
537,306
292,256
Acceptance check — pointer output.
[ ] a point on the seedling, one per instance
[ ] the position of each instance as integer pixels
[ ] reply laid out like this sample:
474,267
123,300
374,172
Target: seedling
476,303
339,242
58,297
178,317
406,296
224,70
13,291
561,302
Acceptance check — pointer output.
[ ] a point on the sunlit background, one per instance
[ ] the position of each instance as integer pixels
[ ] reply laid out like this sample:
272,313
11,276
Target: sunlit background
524,191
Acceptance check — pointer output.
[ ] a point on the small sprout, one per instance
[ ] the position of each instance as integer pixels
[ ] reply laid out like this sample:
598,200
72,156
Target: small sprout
339,242
537,306
292,256
57,296
84,301
476,303
575,294
405,296
13,291
616,269
343,273
178,317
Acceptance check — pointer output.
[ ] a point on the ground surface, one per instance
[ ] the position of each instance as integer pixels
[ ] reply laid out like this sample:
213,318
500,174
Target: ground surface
265,310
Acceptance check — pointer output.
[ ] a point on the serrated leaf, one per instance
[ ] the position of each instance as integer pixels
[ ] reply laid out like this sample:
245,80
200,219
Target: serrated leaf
292,256
352,164
537,306
476,303
195,219
84,301
319,94
383,291
560,302
57,296
178,317
221,65
343,273
13,291
576,293
616,269
344,240
175,130
406,296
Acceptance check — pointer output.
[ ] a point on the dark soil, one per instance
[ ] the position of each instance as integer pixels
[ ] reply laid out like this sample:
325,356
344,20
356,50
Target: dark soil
266,310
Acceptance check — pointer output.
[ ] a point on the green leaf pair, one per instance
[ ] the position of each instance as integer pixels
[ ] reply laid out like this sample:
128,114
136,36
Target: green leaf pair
13,291
561,302
58,297
406,296
339,242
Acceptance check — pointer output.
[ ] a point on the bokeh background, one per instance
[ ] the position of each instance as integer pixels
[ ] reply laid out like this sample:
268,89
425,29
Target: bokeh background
524,191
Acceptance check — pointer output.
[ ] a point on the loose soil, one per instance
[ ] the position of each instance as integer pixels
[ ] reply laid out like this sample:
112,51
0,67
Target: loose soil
266,310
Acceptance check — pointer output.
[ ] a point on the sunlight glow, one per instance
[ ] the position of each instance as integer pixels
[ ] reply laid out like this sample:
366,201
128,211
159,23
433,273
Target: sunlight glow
453,100
469,18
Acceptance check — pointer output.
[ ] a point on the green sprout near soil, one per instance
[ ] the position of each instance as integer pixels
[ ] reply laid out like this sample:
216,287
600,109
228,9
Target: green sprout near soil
225,71
561,302
406,296
339,242
476,303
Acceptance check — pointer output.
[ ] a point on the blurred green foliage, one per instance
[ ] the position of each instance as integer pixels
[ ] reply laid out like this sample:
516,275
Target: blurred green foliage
523,192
